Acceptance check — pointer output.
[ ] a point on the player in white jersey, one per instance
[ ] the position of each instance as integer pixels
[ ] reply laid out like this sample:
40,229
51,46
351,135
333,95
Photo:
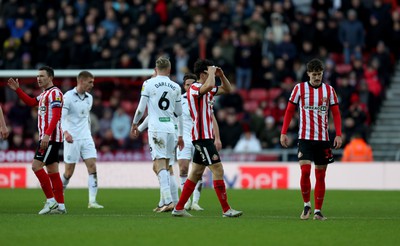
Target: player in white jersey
314,99
78,138
162,206
162,97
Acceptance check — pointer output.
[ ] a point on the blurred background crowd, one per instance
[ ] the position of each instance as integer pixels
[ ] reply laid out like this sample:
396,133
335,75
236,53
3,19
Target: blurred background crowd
262,46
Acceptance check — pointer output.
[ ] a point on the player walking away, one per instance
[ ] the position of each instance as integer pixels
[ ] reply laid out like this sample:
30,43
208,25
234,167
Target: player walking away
313,99
162,206
200,98
162,97
3,127
49,103
79,143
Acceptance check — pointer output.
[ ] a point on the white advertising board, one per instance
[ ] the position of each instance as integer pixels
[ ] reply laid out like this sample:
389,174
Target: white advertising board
238,175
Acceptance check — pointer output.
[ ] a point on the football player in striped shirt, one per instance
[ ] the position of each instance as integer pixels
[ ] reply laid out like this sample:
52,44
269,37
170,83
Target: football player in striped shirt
314,99
200,96
49,103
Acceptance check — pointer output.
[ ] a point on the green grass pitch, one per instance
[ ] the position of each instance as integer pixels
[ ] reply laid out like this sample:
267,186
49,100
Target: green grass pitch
271,217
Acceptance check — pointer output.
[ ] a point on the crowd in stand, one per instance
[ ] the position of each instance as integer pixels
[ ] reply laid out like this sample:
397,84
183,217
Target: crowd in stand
261,45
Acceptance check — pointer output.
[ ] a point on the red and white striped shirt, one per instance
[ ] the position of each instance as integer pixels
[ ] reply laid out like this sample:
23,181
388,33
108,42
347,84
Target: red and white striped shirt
313,105
49,99
200,107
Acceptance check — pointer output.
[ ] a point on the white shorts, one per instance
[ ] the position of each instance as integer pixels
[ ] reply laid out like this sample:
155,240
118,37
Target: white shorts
162,145
187,152
84,148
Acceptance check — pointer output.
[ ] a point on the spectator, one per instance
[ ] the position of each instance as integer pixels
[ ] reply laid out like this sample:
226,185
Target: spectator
19,26
120,125
351,35
357,150
243,58
248,142
230,130
270,135
108,142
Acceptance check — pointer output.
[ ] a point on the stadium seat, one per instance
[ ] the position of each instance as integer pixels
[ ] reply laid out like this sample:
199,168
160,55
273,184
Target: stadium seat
244,94
250,106
343,68
258,94
273,93
128,106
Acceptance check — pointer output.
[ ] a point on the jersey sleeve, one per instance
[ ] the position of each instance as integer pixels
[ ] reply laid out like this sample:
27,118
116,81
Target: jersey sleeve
56,99
214,90
195,89
66,101
295,95
145,90
333,100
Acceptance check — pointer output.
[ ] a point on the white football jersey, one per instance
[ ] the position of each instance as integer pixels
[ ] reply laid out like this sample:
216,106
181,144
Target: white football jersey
187,119
76,114
162,93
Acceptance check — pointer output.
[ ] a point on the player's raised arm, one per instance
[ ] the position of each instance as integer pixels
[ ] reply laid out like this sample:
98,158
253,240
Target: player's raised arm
226,86
209,84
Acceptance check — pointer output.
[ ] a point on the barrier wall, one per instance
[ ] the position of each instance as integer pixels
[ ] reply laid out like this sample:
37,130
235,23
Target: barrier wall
238,175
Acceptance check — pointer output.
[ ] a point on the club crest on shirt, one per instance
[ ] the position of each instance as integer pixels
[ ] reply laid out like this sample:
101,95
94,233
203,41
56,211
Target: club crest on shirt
299,155
42,110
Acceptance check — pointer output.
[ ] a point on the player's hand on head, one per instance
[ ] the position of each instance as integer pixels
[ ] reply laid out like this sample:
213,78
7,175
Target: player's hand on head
211,69
219,72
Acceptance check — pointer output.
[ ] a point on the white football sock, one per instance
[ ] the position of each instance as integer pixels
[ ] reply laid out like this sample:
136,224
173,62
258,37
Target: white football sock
163,177
183,180
64,181
197,191
174,188
92,184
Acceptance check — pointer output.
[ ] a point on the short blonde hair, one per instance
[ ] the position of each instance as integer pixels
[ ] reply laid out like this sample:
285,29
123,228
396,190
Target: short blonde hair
163,63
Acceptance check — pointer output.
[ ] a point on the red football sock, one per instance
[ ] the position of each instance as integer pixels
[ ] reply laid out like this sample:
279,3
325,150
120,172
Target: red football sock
57,187
305,183
44,180
319,191
187,191
219,187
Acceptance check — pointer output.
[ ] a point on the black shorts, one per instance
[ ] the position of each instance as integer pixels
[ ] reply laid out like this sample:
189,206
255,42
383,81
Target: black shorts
49,155
205,152
318,151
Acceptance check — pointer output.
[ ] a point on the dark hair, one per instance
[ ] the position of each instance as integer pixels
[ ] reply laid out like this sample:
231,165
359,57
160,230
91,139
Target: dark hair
189,76
85,75
315,65
49,70
201,65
